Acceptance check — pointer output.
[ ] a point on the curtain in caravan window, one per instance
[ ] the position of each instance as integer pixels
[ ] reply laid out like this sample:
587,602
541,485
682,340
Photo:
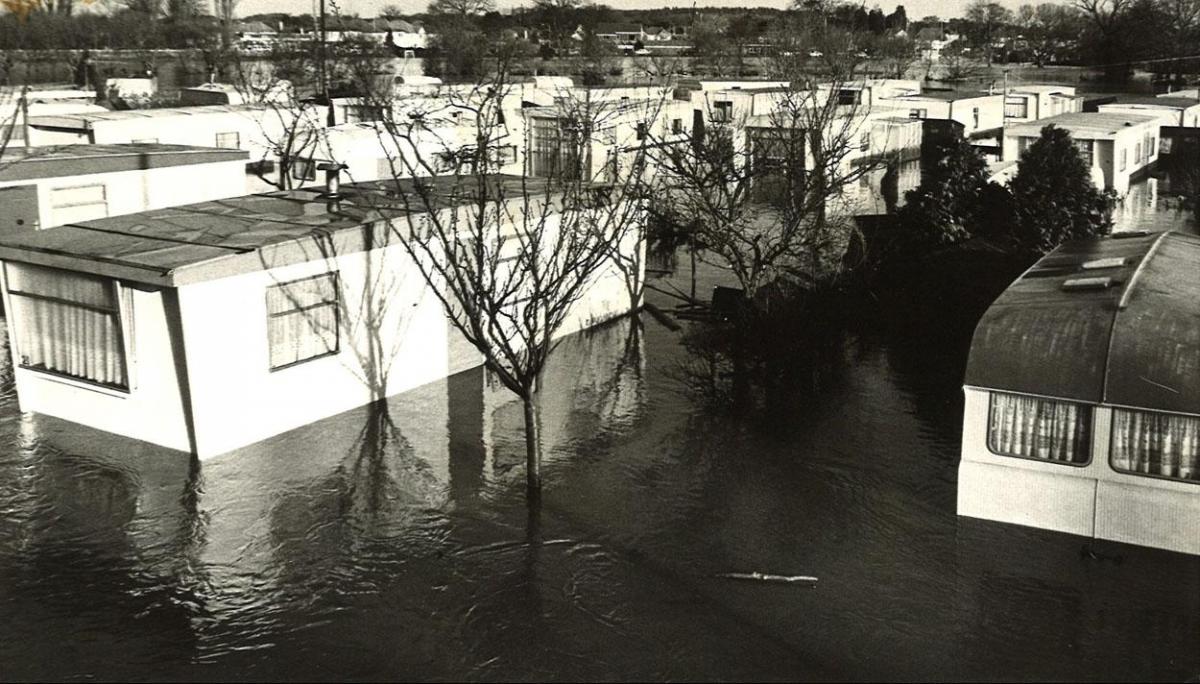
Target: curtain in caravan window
67,323
1029,427
302,319
1159,444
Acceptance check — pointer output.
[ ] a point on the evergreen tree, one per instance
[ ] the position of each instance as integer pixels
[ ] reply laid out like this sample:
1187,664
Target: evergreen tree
944,208
1054,199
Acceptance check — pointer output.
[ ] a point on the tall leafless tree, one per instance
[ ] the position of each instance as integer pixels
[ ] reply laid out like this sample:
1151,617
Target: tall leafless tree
511,258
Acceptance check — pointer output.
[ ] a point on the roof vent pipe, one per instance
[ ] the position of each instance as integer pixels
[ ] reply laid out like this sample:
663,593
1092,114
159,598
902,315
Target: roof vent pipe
333,182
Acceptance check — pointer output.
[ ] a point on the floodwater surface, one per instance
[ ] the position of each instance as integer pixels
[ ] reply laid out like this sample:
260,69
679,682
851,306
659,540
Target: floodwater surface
395,542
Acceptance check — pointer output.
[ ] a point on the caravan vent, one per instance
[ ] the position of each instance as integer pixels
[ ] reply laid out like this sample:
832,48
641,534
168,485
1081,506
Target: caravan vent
1111,262
1088,284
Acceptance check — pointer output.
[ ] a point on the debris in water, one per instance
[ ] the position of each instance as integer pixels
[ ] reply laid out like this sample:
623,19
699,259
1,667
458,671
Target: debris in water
763,577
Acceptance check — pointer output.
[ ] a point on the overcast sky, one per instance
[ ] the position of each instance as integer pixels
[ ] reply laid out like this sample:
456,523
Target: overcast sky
367,8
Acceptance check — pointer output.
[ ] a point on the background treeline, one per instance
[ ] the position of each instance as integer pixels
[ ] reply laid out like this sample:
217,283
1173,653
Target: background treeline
1158,35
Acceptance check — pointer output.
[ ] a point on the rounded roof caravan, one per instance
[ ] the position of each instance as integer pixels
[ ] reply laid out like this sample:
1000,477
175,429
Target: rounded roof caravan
1082,409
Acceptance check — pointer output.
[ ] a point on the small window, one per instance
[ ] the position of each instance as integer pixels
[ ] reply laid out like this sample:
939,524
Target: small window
1040,429
302,320
676,125
68,324
864,141
1085,151
506,154
1124,155
722,111
79,203
1137,153
304,169
1153,444
848,96
918,113
229,141
975,116
641,131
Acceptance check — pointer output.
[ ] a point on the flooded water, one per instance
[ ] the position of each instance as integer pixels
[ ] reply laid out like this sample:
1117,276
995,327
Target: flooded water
396,544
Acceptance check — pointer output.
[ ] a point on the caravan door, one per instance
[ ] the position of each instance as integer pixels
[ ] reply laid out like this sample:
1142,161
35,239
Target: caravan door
21,212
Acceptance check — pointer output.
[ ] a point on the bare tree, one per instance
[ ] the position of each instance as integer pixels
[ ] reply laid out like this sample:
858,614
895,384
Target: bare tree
764,192
290,123
987,19
462,8
1049,29
226,13
513,259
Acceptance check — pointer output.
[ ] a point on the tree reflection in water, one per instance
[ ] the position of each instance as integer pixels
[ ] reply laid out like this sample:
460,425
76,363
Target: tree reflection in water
769,357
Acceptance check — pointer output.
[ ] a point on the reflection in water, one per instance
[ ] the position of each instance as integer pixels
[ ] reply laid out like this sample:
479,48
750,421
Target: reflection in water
1154,204
394,542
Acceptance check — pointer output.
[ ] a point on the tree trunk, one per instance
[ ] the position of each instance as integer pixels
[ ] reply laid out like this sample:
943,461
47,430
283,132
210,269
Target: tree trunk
533,446
692,251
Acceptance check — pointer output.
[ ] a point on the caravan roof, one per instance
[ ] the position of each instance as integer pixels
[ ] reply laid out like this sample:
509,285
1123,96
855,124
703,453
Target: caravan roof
75,160
1113,320
198,242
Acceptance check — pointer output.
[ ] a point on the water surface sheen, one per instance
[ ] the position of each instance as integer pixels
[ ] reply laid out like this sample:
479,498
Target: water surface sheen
396,543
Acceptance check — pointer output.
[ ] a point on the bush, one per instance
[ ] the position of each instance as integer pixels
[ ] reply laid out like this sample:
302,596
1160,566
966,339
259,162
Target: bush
1053,197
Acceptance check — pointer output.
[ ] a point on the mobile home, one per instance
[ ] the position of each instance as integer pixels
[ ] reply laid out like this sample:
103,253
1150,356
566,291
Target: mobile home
46,187
1082,410
1031,102
258,130
1171,111
212,326
1117,146
981,114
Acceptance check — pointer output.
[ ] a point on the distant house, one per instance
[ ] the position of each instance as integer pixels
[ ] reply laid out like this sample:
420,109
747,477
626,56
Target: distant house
45,187
1117,146
209,327
656,34
931,40
255,32
624,35
404,35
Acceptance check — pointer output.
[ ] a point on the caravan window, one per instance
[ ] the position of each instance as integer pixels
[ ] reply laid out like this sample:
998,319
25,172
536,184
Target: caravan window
229,141
1155,444
304,169
1042,429
302,320
79,203
68,324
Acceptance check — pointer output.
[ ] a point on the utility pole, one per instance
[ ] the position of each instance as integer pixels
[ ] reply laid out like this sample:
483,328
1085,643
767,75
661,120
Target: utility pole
330,119
25,115
321,75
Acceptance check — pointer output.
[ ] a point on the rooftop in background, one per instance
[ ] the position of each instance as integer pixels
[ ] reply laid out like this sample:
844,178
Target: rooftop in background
47,95
86,119
199,242
1089,125
946,95
1160,101
1111,320
21,163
